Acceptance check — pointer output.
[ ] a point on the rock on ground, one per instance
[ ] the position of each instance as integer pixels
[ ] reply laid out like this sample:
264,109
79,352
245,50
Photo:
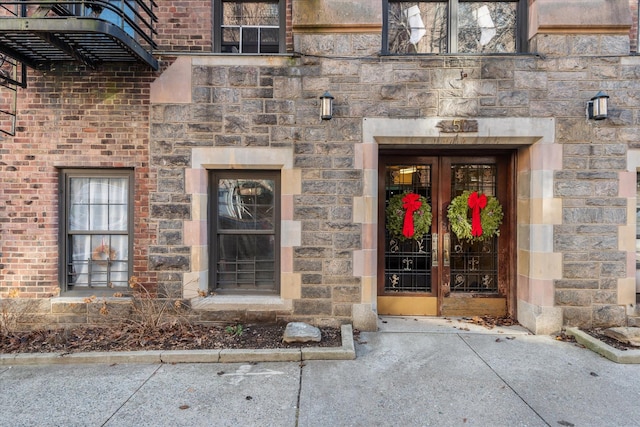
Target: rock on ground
301,332
630,335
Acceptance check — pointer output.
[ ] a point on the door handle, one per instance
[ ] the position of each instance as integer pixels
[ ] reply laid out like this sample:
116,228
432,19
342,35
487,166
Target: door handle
434,250
446,247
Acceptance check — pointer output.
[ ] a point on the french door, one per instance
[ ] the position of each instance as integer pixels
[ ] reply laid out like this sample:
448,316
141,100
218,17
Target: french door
438,273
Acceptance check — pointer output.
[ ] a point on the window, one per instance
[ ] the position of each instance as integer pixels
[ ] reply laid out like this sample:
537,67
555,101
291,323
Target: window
245,242
96,226
454,26
249,26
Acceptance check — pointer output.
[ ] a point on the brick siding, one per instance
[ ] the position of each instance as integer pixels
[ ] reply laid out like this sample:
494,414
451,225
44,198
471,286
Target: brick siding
70,117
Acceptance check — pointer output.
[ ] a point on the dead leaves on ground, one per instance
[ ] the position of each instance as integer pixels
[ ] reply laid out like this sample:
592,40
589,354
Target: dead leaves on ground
491,322
562,336
170,337
488,322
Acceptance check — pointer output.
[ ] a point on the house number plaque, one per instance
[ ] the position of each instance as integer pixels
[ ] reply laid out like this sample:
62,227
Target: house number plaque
457,126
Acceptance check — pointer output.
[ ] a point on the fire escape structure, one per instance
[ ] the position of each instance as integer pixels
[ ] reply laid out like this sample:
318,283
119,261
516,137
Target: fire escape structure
44,34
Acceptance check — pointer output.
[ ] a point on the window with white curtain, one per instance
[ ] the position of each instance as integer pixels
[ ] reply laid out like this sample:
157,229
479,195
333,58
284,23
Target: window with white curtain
96,228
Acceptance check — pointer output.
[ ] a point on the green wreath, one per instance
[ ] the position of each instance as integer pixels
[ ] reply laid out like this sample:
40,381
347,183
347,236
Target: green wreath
491,216
396,213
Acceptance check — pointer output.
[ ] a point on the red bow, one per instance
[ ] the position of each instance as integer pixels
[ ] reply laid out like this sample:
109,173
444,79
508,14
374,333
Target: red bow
411,202
476,202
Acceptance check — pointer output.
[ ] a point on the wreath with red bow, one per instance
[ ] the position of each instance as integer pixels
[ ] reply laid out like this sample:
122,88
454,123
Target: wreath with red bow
408,216
484,221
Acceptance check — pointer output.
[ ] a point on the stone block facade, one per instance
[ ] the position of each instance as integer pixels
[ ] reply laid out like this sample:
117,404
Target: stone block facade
575,249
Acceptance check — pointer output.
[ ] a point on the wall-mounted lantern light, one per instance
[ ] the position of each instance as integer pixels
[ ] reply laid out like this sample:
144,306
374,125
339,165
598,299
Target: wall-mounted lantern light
597,107
326,106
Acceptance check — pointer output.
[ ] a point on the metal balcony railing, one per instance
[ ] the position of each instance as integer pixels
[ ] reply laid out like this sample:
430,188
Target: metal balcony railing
42,34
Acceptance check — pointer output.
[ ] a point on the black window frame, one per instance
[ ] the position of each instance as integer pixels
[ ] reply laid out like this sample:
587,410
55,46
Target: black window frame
522,44
217,25
65,258
214,231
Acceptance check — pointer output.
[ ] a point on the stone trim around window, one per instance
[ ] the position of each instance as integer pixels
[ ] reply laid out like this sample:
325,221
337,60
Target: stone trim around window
195,282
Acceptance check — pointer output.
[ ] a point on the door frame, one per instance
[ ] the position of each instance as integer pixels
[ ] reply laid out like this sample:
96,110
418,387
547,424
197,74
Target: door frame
507,245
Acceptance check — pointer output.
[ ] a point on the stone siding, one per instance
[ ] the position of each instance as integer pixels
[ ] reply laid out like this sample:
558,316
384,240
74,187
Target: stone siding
73,117
593,153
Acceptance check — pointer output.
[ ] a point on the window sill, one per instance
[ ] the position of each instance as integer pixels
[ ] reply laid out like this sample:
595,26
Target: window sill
95,293
465,54
219,54
241,302
93,298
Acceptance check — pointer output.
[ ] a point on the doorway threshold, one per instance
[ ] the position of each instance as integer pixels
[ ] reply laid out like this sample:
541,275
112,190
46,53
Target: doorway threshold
444,325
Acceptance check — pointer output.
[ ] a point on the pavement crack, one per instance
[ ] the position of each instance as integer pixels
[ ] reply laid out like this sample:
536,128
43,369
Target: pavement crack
299,394
503,380
132,394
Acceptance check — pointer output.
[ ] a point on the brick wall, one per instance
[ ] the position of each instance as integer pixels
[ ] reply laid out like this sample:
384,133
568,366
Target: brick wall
69,118
184,26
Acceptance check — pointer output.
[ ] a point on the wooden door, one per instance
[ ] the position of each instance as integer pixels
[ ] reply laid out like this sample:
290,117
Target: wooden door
439,274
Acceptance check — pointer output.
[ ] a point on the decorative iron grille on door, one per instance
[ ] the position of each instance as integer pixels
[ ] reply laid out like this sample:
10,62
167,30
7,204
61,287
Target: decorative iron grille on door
408,263
474,266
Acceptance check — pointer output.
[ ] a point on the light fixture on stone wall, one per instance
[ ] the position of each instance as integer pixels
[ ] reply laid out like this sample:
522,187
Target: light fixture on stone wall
326,106
597,107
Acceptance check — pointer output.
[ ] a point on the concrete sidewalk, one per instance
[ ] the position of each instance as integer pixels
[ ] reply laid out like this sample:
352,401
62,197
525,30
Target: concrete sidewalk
412,372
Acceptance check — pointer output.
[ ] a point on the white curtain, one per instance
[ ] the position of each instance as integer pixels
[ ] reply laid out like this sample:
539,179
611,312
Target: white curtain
99,204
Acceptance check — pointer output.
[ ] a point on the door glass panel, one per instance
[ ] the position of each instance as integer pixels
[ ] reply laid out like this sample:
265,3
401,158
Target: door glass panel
474,266
408,262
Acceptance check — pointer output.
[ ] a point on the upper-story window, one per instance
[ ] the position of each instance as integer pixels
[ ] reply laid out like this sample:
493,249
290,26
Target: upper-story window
454,26
256,26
